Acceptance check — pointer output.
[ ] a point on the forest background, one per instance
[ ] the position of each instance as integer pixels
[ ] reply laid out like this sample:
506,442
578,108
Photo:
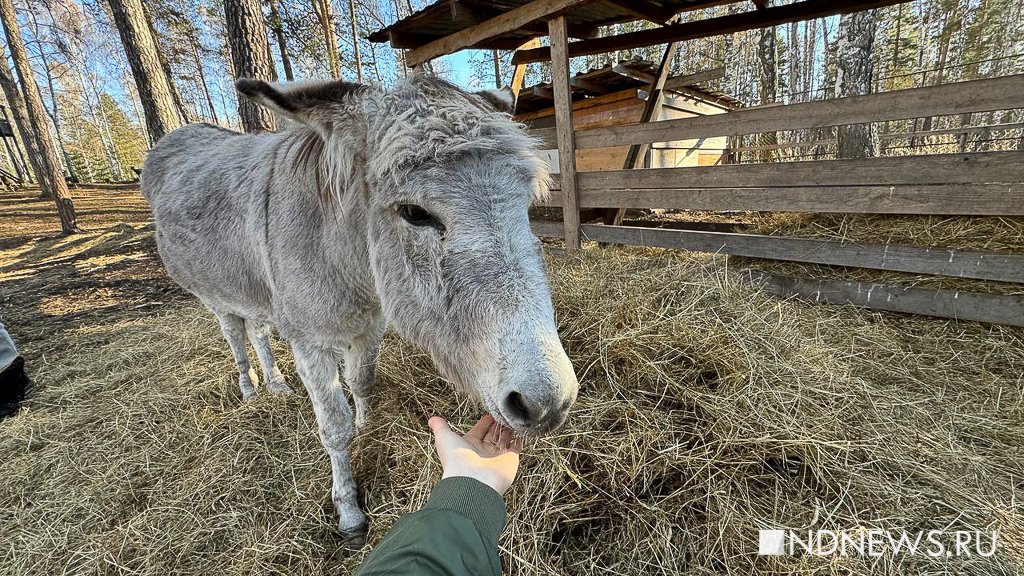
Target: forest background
98,123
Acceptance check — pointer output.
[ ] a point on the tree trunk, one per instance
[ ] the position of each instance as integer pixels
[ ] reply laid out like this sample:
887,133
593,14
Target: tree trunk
355,39
183,112
50,176
53,112
17,105
282,45
143,57
325,16
768,82
250,58
855,41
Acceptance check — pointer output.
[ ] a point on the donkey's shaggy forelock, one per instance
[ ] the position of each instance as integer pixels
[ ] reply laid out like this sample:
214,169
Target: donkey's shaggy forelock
432,121
406,206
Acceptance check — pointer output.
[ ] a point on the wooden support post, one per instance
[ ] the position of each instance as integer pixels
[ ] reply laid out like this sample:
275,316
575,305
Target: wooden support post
655,99
563,125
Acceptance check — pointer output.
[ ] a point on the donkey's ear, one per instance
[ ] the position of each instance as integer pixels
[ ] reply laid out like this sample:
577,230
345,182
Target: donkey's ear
296,100
267,96
503,100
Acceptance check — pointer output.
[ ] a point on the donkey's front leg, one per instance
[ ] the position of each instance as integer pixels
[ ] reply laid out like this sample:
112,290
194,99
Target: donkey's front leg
318,370
360,370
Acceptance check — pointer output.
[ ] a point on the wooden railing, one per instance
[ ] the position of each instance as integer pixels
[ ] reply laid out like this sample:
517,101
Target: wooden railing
972,184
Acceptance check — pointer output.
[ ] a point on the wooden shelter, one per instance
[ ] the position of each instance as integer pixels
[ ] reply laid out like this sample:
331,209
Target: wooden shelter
962,184
616,95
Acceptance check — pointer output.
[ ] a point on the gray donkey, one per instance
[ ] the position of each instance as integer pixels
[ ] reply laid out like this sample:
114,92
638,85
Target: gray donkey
405,207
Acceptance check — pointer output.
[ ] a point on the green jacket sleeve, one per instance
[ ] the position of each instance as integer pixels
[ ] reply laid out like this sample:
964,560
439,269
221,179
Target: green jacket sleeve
454,534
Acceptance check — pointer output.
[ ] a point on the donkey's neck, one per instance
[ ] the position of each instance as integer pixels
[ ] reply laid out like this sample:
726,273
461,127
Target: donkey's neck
326,206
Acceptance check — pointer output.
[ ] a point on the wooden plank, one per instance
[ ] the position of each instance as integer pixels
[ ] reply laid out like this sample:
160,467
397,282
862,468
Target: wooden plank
972,168
588,85
544,91
958,305
479,13
547,138
644,10
547,229
755,19
627,94
519,72
984,265
960,98
952,131
652,108
955,200
675,81
566,134
501,24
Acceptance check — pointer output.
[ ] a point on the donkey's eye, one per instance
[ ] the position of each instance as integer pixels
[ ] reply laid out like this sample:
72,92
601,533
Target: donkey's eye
417,216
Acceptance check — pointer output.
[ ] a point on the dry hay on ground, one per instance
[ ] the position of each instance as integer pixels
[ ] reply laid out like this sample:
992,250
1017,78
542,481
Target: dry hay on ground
707,411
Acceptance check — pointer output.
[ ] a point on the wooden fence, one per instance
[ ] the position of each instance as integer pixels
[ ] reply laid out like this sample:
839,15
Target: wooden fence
964,184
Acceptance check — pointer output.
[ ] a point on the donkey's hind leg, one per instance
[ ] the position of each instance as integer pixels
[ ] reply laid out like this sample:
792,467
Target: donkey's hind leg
259,335
233,328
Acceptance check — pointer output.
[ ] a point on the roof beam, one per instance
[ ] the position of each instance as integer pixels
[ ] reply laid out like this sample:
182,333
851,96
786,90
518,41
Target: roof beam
644,9
588,85
544,91
501,24
675,81
476,14
754,19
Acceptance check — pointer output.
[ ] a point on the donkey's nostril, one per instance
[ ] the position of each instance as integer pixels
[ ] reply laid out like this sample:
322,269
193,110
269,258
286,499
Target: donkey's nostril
517,409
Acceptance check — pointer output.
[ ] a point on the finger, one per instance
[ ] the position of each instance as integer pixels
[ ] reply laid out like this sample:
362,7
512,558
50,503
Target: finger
481,427
439,426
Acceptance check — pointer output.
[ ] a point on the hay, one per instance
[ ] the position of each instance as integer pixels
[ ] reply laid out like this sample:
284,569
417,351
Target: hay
707,411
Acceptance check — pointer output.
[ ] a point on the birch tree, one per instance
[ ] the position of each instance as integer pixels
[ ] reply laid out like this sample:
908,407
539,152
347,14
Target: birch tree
854,72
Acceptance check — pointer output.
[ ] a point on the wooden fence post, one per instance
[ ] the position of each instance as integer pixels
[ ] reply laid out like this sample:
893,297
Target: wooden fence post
563,123
563,128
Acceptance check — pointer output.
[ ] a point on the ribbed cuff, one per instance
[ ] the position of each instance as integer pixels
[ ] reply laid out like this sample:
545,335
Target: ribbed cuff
472,499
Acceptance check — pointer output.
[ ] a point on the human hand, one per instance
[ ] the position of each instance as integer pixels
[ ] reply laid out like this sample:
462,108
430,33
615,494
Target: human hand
489,452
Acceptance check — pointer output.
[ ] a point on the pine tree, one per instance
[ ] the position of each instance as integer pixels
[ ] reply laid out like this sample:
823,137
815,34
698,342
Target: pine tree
143,57
50,175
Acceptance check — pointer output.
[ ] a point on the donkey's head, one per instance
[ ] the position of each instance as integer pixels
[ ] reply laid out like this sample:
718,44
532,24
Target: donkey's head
447,180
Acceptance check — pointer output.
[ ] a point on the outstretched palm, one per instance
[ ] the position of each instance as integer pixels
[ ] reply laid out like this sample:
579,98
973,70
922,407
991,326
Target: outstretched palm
489,452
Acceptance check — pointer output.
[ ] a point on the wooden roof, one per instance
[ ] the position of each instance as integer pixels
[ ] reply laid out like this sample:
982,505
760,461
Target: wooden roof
627,74
446,17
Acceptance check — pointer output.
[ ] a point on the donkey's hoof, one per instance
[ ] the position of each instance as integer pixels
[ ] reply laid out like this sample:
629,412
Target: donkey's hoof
280,389
354,537
249,396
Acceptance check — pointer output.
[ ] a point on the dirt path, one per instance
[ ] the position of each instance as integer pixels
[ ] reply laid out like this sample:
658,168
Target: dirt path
51,284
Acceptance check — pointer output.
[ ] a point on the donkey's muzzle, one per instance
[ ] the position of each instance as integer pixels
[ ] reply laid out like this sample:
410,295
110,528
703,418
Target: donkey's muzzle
533,416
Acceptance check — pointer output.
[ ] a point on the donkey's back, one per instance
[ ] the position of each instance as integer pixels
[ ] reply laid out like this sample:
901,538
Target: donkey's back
207,187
